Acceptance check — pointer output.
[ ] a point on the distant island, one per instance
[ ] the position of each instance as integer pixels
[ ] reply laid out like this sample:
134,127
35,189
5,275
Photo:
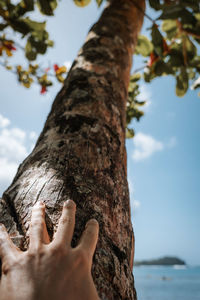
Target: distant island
164,261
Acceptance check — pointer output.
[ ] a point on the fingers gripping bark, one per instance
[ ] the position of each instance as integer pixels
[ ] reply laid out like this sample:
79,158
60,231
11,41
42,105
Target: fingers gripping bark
39,235
66,224
7,248
38,230
52,271
89,238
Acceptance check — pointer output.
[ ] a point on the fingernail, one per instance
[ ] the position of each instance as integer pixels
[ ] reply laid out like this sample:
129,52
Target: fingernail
92,222
69,204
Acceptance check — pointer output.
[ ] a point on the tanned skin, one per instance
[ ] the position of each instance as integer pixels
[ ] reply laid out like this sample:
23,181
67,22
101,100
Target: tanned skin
49,270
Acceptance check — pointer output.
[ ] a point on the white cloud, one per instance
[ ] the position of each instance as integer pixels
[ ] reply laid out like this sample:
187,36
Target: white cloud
130,185
145,95
12,144
145,146
7,170
14,147
4,122
32,135
135,204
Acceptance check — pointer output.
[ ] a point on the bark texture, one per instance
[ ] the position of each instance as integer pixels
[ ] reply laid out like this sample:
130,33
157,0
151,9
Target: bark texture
81,154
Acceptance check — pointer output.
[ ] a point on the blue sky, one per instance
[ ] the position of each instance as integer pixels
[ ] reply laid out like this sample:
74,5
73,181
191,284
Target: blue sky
163,158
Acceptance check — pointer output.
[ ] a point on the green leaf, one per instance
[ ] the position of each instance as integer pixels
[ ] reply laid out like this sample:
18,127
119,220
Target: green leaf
178,11
129,133
194,4
21,8
99,2
133,112
133,105
162,68
190,47
50,43
144,46
30,52
135,77
53,4
176,58
39,46
39,36
3,3
35,26
197,16
28,4
3,26
195,63
157,40
47,6
20,26
182,83
171,12
155,4
43,80
170,27
148,75
32,69
188,17
82,3
191,74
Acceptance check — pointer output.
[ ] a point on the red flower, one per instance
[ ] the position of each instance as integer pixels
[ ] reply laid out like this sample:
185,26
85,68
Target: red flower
43,89
56,67
10,47
153,58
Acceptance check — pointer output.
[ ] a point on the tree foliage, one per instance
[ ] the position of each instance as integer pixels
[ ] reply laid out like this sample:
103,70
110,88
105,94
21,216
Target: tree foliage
170,47
36,41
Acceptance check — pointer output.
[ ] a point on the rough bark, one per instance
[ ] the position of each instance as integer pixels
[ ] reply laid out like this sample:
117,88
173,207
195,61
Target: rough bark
81,154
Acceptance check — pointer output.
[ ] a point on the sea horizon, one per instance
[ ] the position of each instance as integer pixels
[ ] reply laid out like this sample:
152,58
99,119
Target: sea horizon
174,282
186,265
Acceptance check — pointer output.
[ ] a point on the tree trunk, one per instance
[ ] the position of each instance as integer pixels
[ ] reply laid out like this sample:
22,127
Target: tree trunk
81,154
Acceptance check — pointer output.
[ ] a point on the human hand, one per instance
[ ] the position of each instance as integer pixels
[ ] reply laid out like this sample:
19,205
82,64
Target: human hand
49,270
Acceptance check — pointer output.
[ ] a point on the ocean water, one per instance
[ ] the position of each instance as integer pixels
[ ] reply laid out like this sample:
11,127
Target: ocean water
167,283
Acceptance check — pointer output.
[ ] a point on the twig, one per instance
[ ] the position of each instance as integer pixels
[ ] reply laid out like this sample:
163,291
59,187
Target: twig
139,69
184,52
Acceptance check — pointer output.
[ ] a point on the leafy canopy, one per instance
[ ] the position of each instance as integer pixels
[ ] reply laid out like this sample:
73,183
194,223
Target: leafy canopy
171,46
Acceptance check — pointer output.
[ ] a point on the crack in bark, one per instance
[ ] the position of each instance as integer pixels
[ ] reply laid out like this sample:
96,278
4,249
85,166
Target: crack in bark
29,189
41,191
61,189
13,213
